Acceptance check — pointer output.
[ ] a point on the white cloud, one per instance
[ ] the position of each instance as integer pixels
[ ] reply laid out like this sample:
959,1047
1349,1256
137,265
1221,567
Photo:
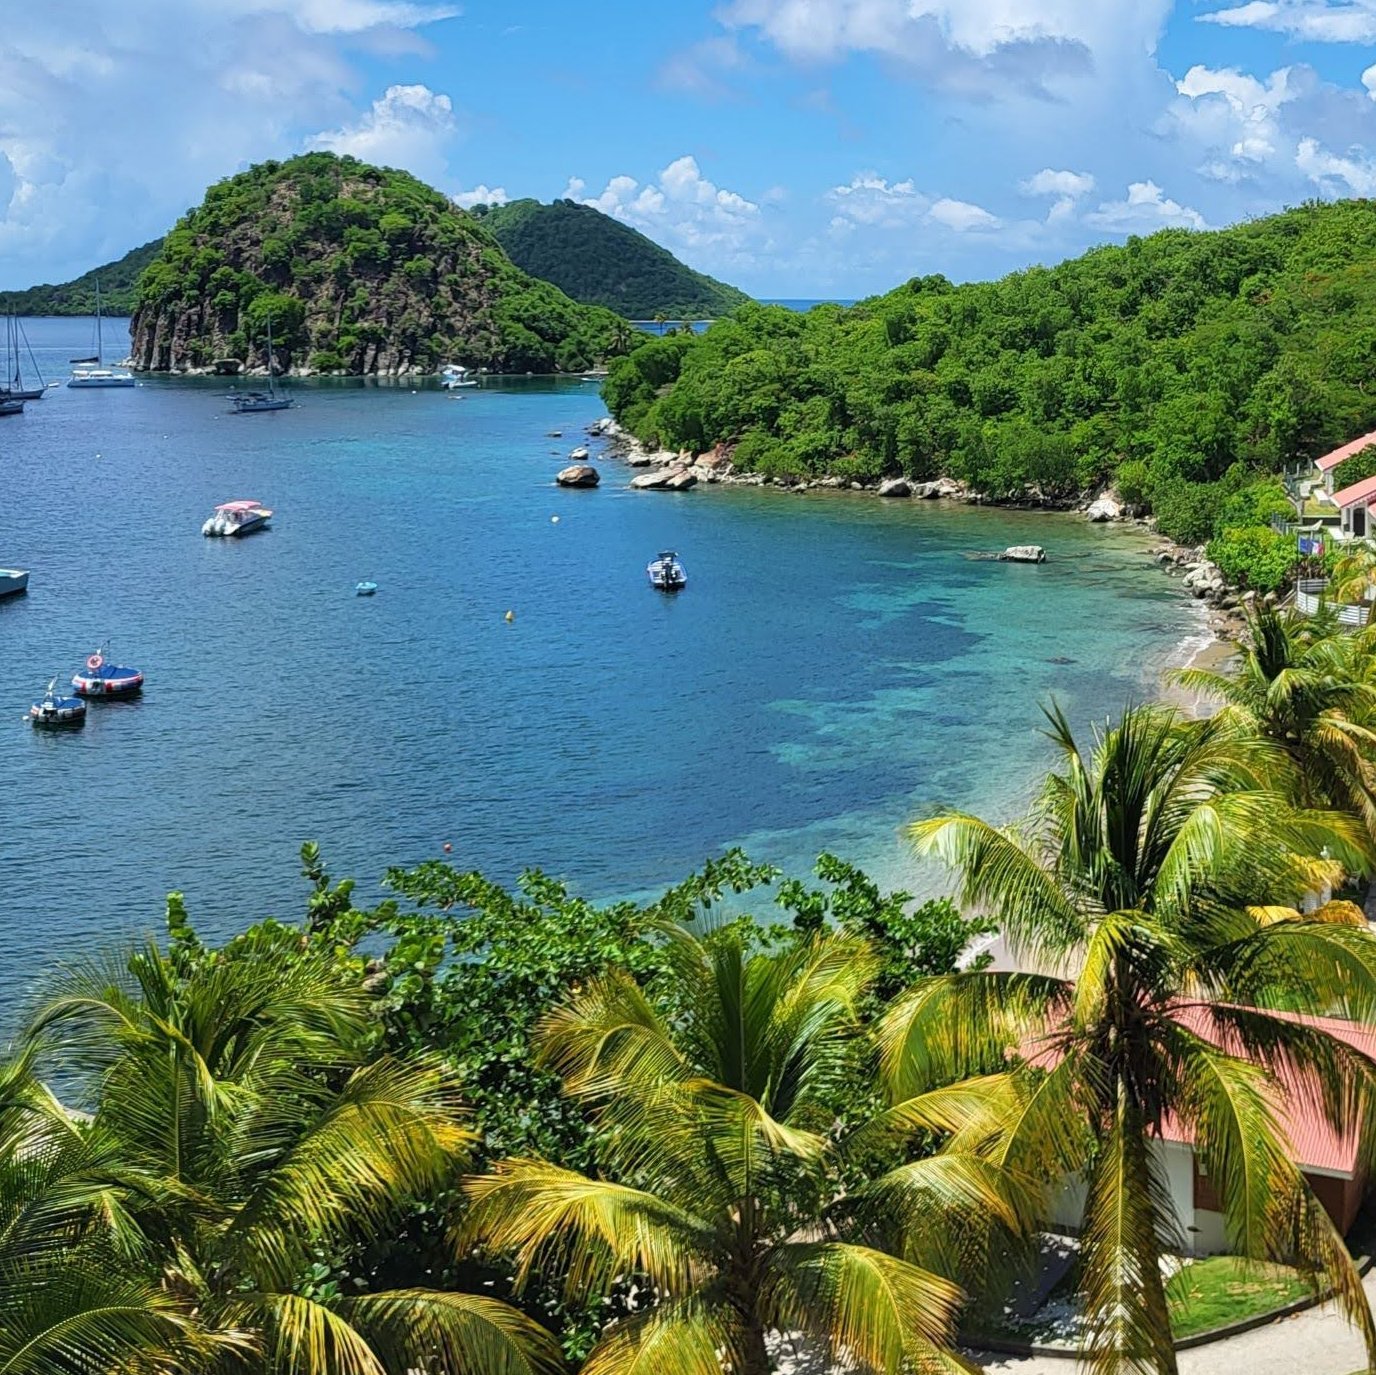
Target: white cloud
1369,81
1333,173
1051,183
961,216
1145,209
699,70
989,49
409,126
682,209
870,199
114,119
1233,119
1313,21
481,195
1066,187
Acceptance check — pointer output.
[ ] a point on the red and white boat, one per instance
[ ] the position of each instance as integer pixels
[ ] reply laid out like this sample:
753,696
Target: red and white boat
100,678
237,518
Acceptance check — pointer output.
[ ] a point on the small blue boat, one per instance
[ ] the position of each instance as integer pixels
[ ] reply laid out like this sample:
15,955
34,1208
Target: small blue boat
57,713
365,589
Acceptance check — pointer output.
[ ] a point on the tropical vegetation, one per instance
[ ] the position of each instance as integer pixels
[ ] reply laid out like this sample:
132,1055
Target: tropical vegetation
118,287
599,261
359,269
1182,366
475,1129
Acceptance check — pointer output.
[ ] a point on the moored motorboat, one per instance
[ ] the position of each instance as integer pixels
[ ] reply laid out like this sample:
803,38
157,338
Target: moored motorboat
11,405
55,713
666,572
365,589
13,580
102,679
454,375
237,518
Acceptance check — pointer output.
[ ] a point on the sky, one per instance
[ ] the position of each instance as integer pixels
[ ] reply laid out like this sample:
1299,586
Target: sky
797,148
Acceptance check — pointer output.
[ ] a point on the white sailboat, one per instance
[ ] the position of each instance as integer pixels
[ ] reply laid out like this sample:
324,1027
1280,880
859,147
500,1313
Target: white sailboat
16,344
92,372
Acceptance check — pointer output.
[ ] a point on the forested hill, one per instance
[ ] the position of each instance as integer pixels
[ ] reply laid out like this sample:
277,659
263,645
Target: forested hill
1180,365
117,283
600,261
360,269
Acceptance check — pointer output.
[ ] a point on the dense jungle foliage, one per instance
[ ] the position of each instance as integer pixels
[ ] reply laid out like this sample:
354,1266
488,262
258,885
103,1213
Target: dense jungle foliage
118,281
600,261
361,269
1181,366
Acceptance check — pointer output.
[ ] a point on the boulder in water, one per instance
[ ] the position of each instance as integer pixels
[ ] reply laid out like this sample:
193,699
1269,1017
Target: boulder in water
1023,553
895,487
578,475
1104,508
578,455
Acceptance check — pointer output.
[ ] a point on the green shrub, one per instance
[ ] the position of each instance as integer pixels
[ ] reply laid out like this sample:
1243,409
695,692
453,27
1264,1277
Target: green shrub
1358,468
327,360
1255,556
1132,482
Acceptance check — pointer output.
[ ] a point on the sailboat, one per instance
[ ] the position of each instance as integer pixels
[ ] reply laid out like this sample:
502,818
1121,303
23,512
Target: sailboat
92,372
16,343
274,399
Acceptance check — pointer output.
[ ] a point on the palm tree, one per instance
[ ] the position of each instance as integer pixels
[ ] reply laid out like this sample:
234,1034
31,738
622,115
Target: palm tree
1354,575
1309,690
73,1296
714,1218
247,1131
622,337
1136,871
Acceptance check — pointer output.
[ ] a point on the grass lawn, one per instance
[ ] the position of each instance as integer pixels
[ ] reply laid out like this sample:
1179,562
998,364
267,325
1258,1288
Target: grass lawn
1224,1289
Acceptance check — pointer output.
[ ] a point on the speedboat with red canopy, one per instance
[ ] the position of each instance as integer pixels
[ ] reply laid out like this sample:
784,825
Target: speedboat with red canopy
237,518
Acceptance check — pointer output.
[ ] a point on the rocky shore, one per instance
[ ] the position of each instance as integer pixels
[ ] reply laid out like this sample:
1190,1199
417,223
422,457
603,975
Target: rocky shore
667,470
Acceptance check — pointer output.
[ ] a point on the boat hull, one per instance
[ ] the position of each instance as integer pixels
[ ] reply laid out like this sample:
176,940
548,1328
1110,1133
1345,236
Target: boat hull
22,393
113,380
119,682
59,713
11,408
13,581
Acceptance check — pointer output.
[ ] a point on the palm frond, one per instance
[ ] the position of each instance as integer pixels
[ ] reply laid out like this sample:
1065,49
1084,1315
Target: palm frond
303,1336
686,1337
864,1306
592,1231
426,1329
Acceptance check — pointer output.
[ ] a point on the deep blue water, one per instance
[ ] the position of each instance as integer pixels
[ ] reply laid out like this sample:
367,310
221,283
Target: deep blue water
836,665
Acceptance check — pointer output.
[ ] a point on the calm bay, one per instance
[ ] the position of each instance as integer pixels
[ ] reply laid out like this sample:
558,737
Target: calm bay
836,665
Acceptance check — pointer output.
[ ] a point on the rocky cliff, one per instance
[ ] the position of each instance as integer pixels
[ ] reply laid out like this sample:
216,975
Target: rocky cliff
359,269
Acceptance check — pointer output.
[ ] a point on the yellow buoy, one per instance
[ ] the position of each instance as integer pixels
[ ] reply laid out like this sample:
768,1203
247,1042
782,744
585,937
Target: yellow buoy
510,616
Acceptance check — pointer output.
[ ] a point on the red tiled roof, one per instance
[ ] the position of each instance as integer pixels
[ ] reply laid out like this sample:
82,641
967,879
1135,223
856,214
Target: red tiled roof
1332,460
1314,1144
1359,491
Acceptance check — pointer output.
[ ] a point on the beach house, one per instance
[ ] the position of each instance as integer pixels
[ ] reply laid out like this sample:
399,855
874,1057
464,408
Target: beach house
1330,1160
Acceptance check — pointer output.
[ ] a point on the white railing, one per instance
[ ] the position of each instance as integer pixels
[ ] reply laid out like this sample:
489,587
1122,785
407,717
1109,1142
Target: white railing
1309,597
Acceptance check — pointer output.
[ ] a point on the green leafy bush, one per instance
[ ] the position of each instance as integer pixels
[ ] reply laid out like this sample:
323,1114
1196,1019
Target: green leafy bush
1255,556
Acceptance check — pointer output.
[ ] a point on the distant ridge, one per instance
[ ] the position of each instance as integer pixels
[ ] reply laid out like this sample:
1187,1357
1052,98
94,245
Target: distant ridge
78,297
600,261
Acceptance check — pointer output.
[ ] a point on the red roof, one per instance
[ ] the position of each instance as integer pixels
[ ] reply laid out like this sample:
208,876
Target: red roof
1314,1144
1359,491
1329,461
239,506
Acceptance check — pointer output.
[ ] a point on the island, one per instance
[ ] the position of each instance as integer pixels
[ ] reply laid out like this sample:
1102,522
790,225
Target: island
358,270
600,261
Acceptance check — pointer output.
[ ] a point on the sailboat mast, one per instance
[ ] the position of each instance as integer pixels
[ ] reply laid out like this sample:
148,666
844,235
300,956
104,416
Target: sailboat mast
100,348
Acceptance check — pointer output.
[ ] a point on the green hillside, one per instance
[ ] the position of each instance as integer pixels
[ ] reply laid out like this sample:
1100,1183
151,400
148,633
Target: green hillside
361,269
600,261
1181,365
78,297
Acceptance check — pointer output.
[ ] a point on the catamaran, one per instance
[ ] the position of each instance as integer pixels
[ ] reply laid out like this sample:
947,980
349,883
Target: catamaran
274,399
17,344
92,372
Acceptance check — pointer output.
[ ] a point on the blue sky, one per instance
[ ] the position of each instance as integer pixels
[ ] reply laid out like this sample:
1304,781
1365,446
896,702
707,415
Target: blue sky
794,147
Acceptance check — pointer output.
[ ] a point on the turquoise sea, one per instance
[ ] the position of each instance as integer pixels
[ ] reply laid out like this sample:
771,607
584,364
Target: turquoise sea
836,665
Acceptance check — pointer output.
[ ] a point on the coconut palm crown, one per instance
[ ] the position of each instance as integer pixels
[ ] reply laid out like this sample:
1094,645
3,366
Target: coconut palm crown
1155,886
715,1217
245,1134
1307,687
